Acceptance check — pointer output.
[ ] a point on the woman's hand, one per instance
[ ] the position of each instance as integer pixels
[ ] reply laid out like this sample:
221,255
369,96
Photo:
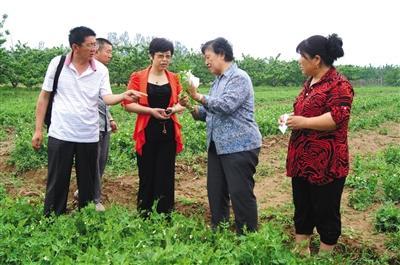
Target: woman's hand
178,108
297,122
323,122
159,114
169,111
192,90
184,101
282,119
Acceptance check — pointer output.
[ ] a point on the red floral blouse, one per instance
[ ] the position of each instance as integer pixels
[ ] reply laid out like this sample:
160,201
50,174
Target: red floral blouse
321,156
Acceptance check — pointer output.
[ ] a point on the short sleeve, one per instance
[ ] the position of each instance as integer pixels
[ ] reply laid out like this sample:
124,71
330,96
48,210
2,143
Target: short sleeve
105,87
340,101
51,71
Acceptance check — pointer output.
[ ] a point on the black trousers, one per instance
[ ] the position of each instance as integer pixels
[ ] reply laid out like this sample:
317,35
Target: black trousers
60,159
318,206
156,177
230,176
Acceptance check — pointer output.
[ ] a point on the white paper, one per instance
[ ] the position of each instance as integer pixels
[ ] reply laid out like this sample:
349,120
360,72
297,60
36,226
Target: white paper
283,127
193,80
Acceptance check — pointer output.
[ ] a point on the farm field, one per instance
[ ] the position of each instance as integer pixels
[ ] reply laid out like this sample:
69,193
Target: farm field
370,205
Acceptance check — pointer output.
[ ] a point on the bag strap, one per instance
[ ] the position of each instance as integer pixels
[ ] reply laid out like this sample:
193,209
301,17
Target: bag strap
58,72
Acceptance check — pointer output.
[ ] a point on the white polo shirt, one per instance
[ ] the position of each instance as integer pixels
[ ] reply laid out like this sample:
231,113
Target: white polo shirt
75,115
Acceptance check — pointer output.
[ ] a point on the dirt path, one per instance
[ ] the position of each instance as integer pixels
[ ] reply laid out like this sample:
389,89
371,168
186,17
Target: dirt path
272,186
359,225
5,150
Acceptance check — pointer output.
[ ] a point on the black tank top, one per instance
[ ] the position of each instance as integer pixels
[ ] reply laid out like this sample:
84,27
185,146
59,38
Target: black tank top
159,130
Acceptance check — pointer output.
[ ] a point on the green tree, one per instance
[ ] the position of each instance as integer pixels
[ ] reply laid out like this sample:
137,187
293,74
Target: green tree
392,75
24,65
127,59
3,52
256,68
271,71
27,66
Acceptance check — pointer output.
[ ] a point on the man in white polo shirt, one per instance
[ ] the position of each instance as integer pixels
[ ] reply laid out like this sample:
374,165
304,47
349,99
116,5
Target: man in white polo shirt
74,129
106,125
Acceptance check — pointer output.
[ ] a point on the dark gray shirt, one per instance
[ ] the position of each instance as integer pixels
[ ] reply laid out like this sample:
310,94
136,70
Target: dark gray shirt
103,116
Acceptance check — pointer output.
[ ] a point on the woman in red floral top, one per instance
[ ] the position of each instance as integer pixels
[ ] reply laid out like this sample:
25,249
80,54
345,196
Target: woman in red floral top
318,157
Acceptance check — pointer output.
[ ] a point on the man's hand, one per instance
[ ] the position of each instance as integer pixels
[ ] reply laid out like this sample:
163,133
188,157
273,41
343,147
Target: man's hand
114,126
37,140
41,107
133,95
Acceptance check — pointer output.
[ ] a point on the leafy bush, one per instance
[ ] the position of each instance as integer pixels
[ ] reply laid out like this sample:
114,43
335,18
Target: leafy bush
391,183
373,174
24,157
393,243
392,155
2,193
363,197
387,218
120,236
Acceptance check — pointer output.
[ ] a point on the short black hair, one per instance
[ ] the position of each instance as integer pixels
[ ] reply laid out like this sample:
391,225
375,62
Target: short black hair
160,45
219,46
101,42
77,35
329,49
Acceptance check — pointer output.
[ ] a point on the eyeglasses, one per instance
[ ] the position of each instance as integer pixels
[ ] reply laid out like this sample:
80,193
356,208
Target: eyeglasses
89,45
163,56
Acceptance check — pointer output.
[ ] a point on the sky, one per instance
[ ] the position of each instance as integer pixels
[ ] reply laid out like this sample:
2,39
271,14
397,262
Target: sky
260,28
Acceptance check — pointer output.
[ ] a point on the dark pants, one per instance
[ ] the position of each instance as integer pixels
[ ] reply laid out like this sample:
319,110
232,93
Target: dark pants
230,176
156,177
318,206
60,159
102,156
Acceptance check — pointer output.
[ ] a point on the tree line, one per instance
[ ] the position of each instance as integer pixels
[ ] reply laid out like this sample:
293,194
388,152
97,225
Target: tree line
22,65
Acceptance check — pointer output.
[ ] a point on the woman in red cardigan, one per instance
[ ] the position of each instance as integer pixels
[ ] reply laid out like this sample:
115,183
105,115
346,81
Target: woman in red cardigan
157,130
318,158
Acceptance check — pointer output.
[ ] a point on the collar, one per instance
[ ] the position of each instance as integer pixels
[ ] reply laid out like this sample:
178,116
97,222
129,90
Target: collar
228,71
68,61
326,77
143,79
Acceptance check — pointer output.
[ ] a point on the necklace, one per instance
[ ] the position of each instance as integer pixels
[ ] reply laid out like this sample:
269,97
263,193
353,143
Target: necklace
164,131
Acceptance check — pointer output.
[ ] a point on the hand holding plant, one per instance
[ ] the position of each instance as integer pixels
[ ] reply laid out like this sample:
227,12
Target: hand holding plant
190,83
